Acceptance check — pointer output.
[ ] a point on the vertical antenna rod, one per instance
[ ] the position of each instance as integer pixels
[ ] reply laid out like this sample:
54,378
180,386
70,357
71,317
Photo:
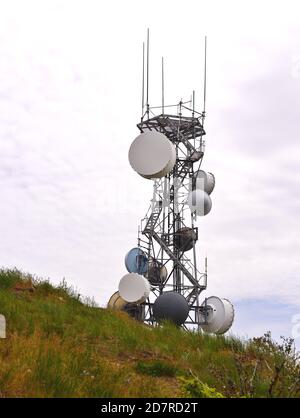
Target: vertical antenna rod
162,86
193,114
148,72
193,103
204,89
143,81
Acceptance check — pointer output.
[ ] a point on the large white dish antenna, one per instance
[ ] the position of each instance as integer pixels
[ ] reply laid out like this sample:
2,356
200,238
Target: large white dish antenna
220,315
199,202
134,288
152,155
204,181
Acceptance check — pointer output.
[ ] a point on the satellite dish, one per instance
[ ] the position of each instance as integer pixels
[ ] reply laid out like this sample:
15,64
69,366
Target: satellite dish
116,302
220,315
152,155
136,311
204,181
136,261
171,306
229,316
184,239
157,273
199,202
134,288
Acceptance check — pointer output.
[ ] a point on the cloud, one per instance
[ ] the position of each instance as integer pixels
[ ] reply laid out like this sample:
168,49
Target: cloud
254,317
253,233
70,84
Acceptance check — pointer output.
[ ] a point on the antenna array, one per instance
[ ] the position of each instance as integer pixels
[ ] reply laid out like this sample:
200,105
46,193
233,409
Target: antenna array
163,281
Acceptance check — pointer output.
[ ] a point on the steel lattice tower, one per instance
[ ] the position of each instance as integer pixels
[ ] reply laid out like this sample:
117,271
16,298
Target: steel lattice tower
163,281
168,212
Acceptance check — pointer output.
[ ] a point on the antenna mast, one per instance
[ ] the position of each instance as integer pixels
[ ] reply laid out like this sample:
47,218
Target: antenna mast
204,87
147,73
143,81
162,86
163,281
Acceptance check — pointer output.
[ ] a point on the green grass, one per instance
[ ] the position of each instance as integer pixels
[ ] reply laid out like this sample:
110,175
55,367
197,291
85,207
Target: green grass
156,368
58,346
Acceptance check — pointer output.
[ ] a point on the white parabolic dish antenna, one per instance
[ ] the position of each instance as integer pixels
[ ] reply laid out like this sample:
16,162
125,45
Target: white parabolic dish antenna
134,288
152,155
220,316
200,202
204,181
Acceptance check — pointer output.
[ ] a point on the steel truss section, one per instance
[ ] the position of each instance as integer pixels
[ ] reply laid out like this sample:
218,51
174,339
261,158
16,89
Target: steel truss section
168,213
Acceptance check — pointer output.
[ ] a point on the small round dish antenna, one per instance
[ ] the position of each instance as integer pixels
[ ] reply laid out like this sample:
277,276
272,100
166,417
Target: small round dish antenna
136,311
220,315
116,302
200,202
136,261
204,181
184,239
134,288
171,306
157,273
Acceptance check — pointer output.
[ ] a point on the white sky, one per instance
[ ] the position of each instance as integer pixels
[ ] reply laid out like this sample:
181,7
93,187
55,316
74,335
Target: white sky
70,82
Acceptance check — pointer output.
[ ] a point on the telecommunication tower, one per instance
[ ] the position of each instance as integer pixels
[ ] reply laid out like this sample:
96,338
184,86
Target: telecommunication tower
163,280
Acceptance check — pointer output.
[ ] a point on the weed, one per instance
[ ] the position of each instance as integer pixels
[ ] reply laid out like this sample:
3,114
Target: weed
59,346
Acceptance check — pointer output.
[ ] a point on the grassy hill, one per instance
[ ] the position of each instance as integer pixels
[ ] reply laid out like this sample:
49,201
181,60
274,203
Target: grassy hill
58,346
